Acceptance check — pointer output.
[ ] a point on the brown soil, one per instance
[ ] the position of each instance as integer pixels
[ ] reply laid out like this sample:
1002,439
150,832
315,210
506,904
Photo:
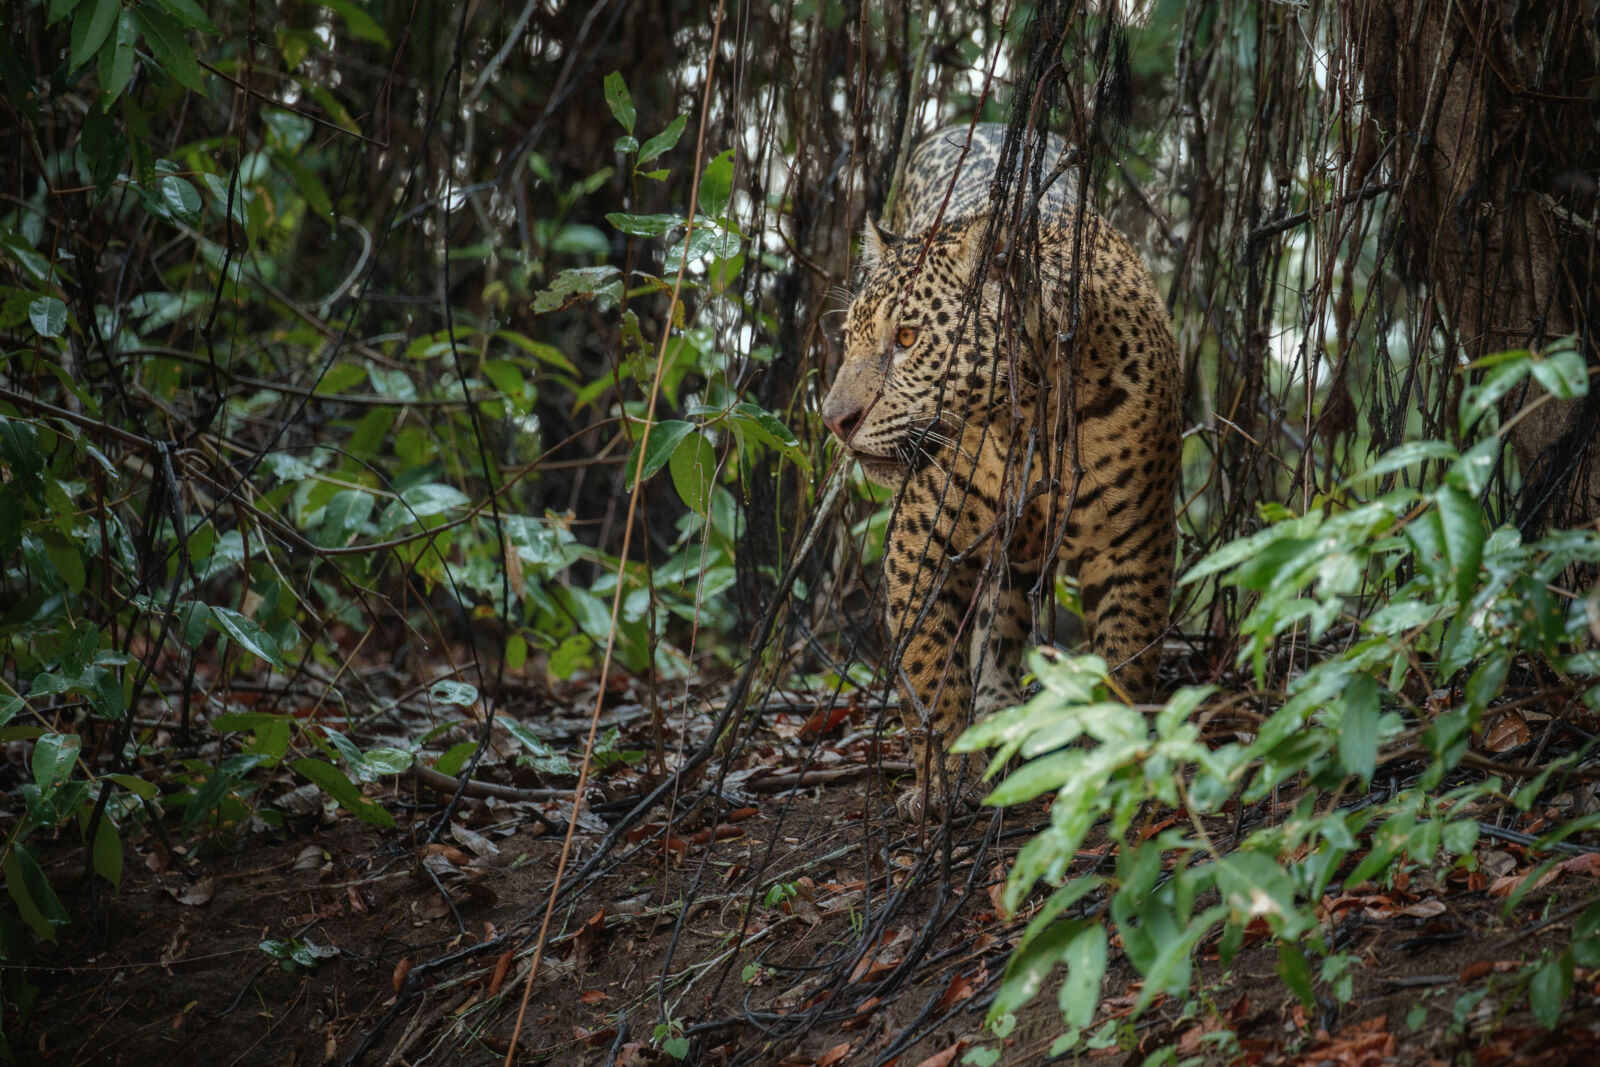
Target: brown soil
878,944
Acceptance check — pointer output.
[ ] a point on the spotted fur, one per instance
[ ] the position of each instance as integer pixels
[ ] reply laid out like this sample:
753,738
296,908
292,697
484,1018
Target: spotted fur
949,353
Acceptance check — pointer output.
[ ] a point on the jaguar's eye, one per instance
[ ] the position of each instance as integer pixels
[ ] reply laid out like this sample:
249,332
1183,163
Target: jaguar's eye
905,337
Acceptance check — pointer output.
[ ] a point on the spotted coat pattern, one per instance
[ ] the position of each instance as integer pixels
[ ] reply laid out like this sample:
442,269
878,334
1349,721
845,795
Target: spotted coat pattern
950,353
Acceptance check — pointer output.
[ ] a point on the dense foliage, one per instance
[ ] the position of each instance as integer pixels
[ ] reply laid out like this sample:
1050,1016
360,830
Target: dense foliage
461,342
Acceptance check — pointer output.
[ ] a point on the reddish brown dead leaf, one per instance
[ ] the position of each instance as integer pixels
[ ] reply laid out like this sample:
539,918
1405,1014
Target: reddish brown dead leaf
401,969
595,1038
825,722
449,852
1510,731
1505,885
1586,864
1474,971
945,1058
958,990
1424,909
741,814
593,996
835,1054
721,833
501,967
863,1014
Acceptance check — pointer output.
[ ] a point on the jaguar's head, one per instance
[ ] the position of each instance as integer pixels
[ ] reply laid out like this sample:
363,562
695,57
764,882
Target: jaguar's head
915,348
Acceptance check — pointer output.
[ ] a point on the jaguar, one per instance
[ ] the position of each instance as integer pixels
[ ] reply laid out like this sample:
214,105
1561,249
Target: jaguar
1010,370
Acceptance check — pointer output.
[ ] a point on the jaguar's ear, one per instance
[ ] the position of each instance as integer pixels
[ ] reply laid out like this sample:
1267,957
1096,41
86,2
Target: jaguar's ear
985,248
874,242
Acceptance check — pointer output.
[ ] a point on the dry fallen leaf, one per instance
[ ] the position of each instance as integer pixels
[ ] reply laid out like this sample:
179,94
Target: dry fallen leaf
945,1058
1509,732
199,893
593,996
401,969
501,966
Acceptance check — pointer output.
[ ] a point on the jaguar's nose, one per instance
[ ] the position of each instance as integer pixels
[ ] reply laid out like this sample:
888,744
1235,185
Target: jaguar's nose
844,421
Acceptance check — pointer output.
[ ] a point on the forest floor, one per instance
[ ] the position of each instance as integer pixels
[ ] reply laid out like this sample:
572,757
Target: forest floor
783,925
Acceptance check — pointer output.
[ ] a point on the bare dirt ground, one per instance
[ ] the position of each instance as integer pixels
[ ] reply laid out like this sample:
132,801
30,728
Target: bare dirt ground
765,924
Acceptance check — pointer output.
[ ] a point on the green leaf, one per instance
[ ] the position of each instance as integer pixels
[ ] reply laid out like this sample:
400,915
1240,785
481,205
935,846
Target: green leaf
716,184
1358,727
1029,967
90,28
1296,974
108,851
664,438
49,316
619,101
332,781
694,471
189,15
1561,371
136,785
181,198
1412,452
1462,524
53,757
644,225
116,64
31,892
358,21
450,691
1550,989
345,515
1085,957
1476,400
247,634
171,49
578,282
664,141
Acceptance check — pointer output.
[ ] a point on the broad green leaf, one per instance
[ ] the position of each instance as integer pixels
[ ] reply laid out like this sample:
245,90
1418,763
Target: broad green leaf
1028,967
346,513
1358,727
450,691
53,757
716,185
1471,472
181,198
1550,990
31,892
1462,525
1296,974
1476,400
619,100
1085,957
1561,371
137,786
664,438
49,316
386,760
1406,455
644,225
171,49
331,780
116,64
247,634
189,15
506,376
108,851
694,471
664,141
358,21
578,282
90,27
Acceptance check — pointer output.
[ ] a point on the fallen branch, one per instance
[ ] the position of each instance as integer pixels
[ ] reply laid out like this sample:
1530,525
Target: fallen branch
782,783
444,783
